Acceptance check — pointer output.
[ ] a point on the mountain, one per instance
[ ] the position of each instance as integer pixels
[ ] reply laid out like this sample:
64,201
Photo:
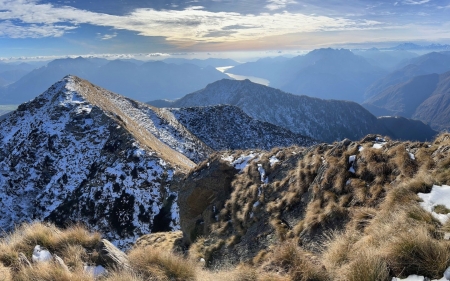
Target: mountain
214,62
426,64
323,73
320,213
325,120
404,129
424,98
402,99
386,59
216,126
416,47
10,73
79,153
373,209
151,80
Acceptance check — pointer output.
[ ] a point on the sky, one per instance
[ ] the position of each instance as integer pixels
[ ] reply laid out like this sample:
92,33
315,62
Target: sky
42,28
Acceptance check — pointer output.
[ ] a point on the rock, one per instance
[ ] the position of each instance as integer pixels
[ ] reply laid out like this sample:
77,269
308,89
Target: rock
60,263
23,260
41,255
96,271
202,194
111,256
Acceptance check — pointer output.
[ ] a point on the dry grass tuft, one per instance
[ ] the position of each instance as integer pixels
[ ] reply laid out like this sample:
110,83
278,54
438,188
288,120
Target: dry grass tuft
27,236
156,264
122,276
296,262
50,271
5,273
366,266
416,252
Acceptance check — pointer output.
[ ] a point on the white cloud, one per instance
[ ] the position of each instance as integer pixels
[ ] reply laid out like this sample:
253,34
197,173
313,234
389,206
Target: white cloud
8,29
108,36
193,24
278,4
416,2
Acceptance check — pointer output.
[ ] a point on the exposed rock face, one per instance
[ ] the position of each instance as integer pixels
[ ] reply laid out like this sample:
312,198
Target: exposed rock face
202,194
81,153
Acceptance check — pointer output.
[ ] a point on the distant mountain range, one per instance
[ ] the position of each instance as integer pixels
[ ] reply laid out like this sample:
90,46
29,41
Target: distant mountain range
323,73
416,47
425,97
426,64
325,120
150,80
10,73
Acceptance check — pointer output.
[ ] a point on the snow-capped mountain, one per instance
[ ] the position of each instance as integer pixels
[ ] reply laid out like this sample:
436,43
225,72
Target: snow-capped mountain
217,127
326,120
81,153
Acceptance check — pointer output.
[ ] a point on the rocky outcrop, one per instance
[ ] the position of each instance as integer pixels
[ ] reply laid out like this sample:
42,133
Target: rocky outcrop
201,195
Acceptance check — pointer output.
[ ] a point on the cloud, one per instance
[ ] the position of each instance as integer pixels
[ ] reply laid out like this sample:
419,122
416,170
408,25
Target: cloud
9,29
29,18
416,2
278,4
108,36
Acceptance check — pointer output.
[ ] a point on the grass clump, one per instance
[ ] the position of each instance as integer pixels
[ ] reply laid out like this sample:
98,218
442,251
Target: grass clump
441,209
416,252
367,266
156,264
50,271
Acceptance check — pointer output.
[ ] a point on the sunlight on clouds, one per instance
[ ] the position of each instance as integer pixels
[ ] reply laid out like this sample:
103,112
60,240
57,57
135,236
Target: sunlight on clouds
193,24
278,4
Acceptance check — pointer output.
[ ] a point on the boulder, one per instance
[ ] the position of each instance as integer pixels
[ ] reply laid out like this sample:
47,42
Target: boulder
111,256
202,194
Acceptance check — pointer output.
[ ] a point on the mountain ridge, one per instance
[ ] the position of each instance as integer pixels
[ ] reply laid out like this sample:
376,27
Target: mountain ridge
325,120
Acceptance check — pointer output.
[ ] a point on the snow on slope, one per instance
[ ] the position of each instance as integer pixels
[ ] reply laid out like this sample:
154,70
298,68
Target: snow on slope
224,127
80,153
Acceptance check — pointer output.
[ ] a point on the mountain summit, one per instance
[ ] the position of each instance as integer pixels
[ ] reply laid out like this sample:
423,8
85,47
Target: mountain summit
81,153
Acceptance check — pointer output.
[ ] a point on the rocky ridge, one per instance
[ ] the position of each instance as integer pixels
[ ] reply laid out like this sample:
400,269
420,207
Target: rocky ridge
81,153
325,120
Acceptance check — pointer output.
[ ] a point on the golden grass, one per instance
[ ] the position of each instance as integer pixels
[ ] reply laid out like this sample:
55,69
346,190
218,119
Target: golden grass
50,271
416,252
157,264
27,236
366,266
288,257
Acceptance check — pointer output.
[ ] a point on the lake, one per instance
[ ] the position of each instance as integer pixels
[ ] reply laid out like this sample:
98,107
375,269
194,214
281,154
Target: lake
257,80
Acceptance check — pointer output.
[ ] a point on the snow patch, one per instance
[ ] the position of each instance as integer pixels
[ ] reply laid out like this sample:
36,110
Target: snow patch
439,195
273,160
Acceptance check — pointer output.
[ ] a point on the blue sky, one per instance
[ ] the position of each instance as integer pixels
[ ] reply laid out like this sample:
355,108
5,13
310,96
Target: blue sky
79,27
